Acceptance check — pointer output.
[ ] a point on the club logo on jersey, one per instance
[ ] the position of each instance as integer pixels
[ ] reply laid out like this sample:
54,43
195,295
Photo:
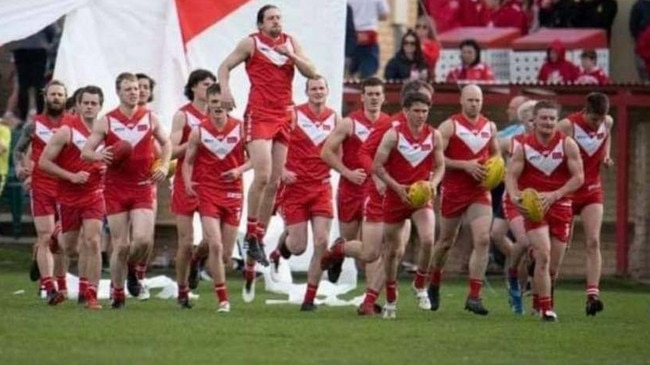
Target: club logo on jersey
475,140
132,135
43,132
361,130
414,153
271,54
590,142
317,133
546,161
220,146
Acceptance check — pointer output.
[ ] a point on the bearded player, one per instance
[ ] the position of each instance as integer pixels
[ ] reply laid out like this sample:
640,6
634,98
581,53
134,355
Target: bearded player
271,58
36,134
212,170
80,190
591,129
408,153
128,193
469,139
186,119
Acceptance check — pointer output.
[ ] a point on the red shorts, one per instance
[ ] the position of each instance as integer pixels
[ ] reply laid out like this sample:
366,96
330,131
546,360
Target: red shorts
454,204
43,203
72,217
349,203
301,202
510,209
119,200
225,206
558,219
585,197
396,211
262,125
373,207
183,204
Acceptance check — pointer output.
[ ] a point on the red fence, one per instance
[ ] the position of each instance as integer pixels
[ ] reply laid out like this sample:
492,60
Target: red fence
622,97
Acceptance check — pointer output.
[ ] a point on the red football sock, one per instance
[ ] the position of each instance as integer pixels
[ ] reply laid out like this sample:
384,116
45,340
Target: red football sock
535,302
61,284
310,294
83,286
251,226
260,231
545,304
475,288
593,291
371,297
249,270
118,294
436,277
391,291
420,279
48,283
183,291
141,270
91,292
221,291
338,250
512,273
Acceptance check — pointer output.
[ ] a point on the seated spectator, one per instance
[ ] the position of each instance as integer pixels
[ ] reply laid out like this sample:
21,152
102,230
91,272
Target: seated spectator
595,14
426,31
471,68
556,13
557,69
640,29
506,14
590,73
408,63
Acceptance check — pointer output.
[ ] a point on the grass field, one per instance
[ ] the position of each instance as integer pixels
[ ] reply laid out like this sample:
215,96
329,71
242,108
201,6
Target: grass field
157,332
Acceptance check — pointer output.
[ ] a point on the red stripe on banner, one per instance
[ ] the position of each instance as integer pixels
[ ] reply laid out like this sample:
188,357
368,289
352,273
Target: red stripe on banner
195,16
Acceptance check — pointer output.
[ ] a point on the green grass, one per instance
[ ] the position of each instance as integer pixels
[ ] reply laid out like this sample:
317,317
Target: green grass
157,332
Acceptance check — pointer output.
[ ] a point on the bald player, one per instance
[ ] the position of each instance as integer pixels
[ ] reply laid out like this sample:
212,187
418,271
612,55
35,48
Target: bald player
469,139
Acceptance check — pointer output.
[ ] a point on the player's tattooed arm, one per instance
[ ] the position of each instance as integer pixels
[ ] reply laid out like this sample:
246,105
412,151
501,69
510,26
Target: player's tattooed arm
21,150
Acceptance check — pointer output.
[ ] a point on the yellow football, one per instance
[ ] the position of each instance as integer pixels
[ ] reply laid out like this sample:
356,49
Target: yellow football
532,202
170,172
495,172
420,193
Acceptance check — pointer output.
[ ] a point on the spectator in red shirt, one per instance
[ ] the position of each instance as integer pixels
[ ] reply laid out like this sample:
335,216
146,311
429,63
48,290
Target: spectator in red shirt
556,69
505,14
425,28
590,73
471,68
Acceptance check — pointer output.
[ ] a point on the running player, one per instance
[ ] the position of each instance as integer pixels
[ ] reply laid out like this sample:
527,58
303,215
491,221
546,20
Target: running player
128,192
271,57
212,168
307,193
591,129
549,162
36,134
468,140
408,153
373,229
186,119
80,190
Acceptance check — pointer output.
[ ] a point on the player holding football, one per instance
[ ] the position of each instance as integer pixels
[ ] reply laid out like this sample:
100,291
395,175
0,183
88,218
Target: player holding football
80,190
186,119
128,195
36,134
408,153
271,58
469,139
591,129
307,194
212,168
549,162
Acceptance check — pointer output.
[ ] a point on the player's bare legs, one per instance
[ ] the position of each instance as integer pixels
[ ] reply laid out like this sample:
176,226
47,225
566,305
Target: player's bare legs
545,259
90,259
44,227
425,222
260,154
142,231
212,233
185,233
448,231
499,235
519,249
119,226
592,218
73,246
321,230
395,244
480,217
